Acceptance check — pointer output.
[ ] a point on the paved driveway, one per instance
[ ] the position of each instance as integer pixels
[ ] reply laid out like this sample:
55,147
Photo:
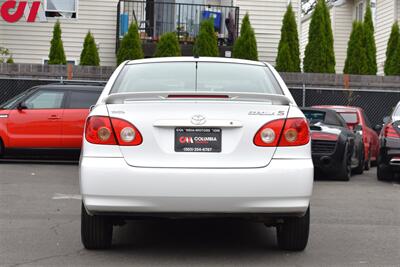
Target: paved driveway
354,223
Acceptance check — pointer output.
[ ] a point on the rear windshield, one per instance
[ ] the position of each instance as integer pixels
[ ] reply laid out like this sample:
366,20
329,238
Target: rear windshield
314,116
350,117
201,77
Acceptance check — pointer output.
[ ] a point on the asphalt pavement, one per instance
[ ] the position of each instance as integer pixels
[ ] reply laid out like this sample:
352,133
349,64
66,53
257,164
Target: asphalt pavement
354,223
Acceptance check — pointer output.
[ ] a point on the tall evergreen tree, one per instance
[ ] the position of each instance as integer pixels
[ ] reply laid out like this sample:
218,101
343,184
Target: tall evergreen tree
57,54
90,54
168,46
393,52
369,42
356,61
288,49
245,46
131,45
206,44
319,53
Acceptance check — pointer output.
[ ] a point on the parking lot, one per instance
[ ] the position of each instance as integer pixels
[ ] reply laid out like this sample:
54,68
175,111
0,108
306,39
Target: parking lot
353,223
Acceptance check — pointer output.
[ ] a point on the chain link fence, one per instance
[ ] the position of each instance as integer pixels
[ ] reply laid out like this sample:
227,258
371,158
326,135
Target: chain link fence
376,103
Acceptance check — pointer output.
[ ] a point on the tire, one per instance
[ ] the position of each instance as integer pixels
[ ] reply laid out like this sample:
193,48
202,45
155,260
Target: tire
1,148
344,173
293,234
367,163
384,173
96,231
361,163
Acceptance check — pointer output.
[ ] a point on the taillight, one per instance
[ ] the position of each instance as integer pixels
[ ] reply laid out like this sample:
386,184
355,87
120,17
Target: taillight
324,136
269,134
99,131
390,131
111,131
289,132
126,133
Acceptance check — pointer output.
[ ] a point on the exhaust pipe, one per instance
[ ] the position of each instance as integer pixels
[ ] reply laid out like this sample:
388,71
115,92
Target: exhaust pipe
395,162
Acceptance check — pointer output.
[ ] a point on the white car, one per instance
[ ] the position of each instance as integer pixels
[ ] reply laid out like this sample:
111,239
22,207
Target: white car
196,137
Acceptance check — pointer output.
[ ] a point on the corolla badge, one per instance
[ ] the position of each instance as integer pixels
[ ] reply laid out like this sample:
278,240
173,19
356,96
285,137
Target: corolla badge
198,120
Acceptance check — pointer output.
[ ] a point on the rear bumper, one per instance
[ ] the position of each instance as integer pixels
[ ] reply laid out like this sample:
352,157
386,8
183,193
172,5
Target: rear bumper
109,185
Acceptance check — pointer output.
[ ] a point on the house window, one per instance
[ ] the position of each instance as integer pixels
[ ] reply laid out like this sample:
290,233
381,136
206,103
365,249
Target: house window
360,11
61,8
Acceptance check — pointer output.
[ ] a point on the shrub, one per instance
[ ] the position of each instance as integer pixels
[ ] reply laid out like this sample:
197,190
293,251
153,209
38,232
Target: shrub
90,53
369,42
245,46
356,60
319,54
393,52
57,54
207,42
168,46
131,45
10,60
288,58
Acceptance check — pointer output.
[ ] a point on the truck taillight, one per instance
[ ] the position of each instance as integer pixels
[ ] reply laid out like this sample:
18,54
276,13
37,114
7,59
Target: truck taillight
289,132
104,130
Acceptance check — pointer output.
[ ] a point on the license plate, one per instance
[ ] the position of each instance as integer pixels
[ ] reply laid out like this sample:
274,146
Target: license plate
198,140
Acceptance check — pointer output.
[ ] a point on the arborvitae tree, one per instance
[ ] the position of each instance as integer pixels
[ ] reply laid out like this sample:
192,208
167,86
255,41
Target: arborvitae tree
284,60
168,46
206,44
319,53
356,61
90,53
369,42
288,58
57,54
393,52
131,46
245,46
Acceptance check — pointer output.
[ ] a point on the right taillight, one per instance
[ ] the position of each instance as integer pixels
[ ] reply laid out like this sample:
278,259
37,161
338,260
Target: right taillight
103,130
390,131
289,132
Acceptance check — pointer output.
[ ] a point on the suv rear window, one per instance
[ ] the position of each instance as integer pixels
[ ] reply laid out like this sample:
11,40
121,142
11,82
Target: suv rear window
202,77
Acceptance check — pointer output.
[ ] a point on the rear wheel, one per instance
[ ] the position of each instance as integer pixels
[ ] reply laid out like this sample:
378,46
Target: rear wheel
1,148
344,173
367,163
96,231
293,233
360,167
384,172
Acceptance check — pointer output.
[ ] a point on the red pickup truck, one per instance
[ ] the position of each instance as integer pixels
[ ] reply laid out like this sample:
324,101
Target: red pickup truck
46,121
357,121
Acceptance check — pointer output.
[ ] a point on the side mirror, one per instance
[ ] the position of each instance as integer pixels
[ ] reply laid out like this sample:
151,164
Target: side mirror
386,119
22,106
378,128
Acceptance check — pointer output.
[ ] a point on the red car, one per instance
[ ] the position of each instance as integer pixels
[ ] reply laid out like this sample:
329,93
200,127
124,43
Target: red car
357,121
46,120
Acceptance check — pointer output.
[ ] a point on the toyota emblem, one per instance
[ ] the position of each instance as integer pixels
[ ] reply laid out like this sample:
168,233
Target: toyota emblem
198,120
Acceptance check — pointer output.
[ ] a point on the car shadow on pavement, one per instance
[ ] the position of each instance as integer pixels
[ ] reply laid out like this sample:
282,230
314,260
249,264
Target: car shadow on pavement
194,237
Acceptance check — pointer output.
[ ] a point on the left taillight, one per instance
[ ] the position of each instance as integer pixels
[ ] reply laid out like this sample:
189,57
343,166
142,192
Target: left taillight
104,130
